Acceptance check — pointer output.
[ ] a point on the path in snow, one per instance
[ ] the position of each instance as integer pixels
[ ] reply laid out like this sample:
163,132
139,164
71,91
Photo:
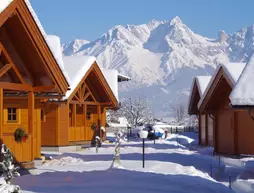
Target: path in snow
170,167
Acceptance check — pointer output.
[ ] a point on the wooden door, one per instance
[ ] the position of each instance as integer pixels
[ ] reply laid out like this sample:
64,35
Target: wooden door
91,118
80,124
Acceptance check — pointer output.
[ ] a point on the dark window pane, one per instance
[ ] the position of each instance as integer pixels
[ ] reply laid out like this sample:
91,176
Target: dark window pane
14,117
14,110
9,110
9,117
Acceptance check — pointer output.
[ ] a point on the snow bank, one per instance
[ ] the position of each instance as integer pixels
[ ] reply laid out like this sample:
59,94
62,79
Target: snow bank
249,164
243,186
185,139
117,180
243,93
64,161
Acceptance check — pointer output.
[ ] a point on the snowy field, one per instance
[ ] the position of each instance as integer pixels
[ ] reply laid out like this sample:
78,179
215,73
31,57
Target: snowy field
173,165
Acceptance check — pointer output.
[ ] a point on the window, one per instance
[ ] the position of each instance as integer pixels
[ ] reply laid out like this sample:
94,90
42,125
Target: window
12,115
88,116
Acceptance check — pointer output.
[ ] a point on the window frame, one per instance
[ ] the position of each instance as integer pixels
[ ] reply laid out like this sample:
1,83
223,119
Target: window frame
88,114
6,116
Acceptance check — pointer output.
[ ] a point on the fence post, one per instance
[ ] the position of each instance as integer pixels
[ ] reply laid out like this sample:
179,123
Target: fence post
229,180
176,130
211,170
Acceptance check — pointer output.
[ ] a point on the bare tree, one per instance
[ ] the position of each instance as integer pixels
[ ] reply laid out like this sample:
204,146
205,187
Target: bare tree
135,110
180,111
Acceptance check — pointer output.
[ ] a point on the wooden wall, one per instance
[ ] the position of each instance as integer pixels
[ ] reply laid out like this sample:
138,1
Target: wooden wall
224,129
210,130
55,127
62,127
63,117
203,130
48,127
82,131
244,128
22,151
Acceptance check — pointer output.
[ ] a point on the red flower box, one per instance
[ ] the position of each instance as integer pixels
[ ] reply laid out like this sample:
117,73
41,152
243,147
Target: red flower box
24,138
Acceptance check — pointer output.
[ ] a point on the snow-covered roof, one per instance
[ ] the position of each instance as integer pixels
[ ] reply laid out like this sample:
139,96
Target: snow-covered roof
76,68
232,70
111,75
52,41
122,78
243,92
4,4
54,44
202,82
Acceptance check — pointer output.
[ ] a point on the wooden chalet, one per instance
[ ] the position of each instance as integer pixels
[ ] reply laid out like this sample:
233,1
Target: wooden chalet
29,73
242,101
205,123
216,102
93,90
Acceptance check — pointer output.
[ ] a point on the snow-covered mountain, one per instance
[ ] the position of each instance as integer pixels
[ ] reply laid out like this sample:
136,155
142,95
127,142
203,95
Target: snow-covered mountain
72,47
162,57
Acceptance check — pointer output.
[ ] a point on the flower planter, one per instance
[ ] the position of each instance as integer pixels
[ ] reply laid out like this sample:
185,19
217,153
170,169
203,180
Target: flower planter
26,165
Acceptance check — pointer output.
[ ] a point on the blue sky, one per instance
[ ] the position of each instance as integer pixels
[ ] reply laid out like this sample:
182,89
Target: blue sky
89,19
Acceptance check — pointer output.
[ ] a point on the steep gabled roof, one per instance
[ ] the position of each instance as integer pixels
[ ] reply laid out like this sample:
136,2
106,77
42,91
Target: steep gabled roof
231,72
78,69
243,92
198,87
26,19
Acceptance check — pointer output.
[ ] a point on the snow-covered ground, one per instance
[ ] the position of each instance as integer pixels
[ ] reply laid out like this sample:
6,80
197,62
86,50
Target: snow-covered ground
176,165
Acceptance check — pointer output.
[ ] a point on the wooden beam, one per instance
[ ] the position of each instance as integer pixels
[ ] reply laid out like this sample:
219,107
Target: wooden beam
106,104
48,88
8,45
13,65
87,95
15,86
1,49
85,102
31,127
41,47
99,120
5,69
90,92
74,111
85,122
1,112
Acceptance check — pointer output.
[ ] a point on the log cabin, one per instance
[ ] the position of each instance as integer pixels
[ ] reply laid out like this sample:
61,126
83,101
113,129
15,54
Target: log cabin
216,102
242,101
69,121
29,73
205,123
